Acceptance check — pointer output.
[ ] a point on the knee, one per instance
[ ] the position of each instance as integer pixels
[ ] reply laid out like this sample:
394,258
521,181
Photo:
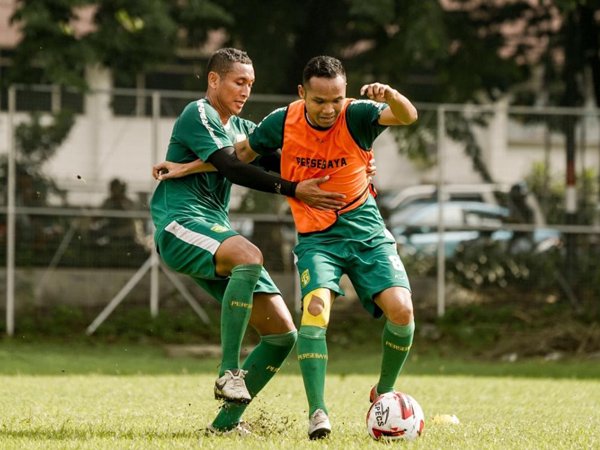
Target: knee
316,308
236,251
401,309
248,254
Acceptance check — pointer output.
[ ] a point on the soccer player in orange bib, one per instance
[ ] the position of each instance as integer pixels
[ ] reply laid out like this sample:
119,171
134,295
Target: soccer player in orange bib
325,134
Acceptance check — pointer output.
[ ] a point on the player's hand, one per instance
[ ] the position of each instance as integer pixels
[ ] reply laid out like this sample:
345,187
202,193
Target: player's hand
167,170
371,170
163,170
376,91
310,193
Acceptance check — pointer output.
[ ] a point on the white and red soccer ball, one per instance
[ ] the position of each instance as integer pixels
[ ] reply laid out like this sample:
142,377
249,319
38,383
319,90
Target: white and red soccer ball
395,416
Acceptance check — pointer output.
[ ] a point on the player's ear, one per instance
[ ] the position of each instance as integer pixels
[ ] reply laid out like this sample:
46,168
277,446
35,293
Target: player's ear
301,91
213,79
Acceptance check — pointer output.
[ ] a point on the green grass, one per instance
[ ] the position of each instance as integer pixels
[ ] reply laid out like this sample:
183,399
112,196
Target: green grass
132,396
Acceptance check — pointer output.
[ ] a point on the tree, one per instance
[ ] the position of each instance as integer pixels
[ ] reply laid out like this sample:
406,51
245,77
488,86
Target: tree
36,142
127,36
442,51
48,42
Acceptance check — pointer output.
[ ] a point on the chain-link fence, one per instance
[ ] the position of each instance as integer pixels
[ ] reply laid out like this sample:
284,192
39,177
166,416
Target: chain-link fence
520,193
519,189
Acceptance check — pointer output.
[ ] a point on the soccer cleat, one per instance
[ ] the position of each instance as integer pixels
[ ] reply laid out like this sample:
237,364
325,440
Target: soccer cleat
319,426
240,430
231,387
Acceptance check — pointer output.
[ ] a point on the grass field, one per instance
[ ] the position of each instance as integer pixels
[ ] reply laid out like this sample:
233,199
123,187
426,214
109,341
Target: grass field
120,396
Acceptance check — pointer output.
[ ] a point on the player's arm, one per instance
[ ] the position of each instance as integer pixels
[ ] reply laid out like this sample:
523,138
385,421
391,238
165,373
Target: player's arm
244,152
308,191
166,170
400,110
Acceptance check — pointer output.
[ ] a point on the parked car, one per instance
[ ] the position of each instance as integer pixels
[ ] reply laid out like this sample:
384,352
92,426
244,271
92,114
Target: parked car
391,202
415,227
427,193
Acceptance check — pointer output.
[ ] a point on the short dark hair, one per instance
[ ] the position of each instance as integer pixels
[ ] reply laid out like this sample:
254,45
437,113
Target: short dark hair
222,60
323,67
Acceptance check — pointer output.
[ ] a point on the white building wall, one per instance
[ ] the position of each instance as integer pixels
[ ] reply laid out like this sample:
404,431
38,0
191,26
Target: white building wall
101,147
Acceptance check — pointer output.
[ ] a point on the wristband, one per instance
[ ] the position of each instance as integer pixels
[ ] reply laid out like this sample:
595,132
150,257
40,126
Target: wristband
288,188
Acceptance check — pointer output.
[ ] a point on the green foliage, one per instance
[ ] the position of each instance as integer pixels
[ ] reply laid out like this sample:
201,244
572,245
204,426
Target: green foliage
550,189
491,266
419,142
132,35
48,42
36,142
197,18
129,324
128,36
485,264
172,325
426,49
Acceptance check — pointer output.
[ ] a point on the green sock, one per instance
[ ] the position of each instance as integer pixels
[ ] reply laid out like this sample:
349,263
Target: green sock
396,341
235,313
312,357
262,364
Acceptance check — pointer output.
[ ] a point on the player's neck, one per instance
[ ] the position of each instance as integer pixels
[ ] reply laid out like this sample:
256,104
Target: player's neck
314,125
223,113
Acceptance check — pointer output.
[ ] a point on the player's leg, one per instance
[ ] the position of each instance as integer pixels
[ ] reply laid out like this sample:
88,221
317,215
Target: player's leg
397,336
313,357
382,285
204,251
320,272
273,321
241,260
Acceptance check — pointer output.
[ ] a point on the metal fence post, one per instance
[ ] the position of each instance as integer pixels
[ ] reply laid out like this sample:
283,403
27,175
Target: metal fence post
154,272
11,214
441,249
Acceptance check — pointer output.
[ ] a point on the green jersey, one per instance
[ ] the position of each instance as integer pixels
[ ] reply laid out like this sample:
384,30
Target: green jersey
198,133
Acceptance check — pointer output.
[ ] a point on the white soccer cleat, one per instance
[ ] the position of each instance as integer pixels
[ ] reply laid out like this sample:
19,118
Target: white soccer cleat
319,426
232,387
240,430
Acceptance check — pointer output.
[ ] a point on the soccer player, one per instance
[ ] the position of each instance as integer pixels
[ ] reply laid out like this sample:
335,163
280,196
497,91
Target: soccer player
193,234
326,134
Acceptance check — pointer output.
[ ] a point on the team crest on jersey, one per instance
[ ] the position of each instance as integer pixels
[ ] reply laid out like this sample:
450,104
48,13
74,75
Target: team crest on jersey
218,228
305,278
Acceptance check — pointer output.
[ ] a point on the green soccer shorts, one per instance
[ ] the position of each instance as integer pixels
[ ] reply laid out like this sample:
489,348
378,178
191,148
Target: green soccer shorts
372,266
188,246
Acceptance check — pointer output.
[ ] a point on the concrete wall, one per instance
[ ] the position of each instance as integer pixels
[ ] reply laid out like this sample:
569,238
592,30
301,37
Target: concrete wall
97,287
102,146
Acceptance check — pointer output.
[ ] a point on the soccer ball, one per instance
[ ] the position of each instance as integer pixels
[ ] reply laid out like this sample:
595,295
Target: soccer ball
395,416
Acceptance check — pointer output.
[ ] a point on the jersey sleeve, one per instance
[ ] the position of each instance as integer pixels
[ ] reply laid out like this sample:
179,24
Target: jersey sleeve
362,117
199,129
245,126
267,137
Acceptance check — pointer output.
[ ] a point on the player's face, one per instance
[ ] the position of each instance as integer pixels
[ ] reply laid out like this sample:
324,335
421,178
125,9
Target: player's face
324,98
232,89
